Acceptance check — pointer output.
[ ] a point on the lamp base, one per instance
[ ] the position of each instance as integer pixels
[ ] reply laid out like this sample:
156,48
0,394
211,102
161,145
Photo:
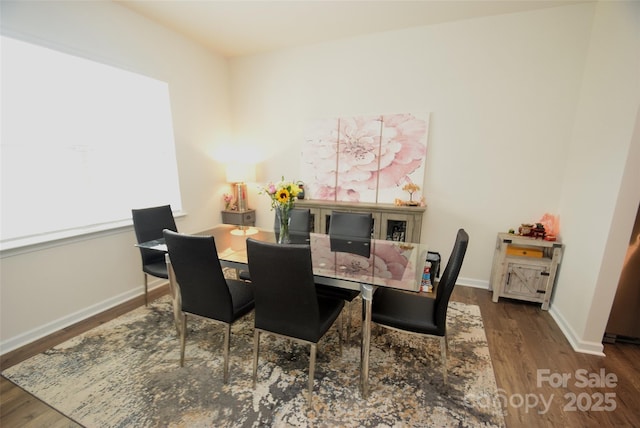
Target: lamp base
240,195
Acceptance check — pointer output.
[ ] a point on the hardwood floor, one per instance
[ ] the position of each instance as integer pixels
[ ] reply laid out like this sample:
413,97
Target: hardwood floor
529,354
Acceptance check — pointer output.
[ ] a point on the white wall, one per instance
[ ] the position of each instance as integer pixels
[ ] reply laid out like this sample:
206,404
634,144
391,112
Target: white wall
601,188
49,287
512,133
530,113
502,96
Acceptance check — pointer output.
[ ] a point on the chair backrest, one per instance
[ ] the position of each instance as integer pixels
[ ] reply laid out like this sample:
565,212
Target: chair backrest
203,288
284,289
351,232
350,225
359,246
449,278
298,223
148,224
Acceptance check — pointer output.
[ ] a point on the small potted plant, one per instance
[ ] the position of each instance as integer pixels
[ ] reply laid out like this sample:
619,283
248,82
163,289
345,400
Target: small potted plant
411,188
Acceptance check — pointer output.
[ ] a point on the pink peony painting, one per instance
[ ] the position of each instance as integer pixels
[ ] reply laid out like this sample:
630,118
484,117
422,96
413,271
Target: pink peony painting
364,159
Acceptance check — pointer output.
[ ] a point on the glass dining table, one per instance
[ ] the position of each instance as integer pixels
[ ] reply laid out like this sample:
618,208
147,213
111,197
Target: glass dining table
342,263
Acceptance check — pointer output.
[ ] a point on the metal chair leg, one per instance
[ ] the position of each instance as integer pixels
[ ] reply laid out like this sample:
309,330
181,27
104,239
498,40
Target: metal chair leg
340,332
312,367
146,290
349,304
174,290
227,343
183,338
443,349
177,304
256,345
350,307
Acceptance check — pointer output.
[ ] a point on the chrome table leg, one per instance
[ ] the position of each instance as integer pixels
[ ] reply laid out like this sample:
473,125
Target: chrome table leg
367,297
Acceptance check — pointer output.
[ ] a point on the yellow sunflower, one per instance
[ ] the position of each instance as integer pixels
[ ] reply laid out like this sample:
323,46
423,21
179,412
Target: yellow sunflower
282,196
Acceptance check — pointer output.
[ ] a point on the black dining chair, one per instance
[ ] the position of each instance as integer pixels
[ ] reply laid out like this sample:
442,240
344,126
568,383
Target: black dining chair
418,314
349,232
148,224
344,224
286,300
204,290
298,232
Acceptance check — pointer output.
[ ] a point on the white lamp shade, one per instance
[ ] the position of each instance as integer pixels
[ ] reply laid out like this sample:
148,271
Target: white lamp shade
240,172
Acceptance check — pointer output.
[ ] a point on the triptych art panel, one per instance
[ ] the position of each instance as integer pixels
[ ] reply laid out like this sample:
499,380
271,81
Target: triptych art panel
364,158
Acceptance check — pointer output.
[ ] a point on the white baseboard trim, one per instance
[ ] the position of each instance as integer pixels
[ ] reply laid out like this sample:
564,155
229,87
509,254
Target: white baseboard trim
593,348
578,345
475,283
54,326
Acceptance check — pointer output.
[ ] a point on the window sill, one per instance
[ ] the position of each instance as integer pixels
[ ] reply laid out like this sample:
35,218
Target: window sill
14,247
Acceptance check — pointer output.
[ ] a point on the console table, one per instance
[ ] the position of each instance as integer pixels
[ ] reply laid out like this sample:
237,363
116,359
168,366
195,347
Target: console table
390,222
240,218
525,268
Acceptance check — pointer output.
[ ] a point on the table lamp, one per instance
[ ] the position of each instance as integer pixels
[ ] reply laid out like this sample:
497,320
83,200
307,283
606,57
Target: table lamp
238,173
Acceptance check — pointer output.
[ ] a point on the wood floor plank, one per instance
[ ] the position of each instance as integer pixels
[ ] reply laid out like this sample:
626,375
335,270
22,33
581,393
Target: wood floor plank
522,340
21,409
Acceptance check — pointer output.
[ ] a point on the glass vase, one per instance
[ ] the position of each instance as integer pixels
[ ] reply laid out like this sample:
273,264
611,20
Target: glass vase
283,216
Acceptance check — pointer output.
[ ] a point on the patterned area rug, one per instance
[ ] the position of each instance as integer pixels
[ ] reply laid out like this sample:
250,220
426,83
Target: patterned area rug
126,373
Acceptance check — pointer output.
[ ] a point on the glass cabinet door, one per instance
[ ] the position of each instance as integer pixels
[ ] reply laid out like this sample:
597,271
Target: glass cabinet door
390,221
397,227
396,230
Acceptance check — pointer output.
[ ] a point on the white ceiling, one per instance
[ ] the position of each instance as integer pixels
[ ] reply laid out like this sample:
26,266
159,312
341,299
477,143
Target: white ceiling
244,27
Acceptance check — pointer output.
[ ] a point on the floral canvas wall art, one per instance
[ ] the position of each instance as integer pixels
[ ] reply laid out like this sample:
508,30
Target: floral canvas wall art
365,158
319,161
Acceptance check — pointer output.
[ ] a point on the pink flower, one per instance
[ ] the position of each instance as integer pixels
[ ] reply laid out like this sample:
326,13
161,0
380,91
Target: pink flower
367,154
358,150
387,263
403,148
394,262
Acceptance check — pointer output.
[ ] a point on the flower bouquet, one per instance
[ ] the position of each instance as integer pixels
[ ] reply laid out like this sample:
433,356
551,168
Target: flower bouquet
283,196
229,202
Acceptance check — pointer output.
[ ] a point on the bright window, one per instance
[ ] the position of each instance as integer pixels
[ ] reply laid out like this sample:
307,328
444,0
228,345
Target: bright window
82,143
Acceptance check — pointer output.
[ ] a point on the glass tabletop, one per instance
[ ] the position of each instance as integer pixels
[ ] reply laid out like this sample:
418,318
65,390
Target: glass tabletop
343,263
156,244
376,262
